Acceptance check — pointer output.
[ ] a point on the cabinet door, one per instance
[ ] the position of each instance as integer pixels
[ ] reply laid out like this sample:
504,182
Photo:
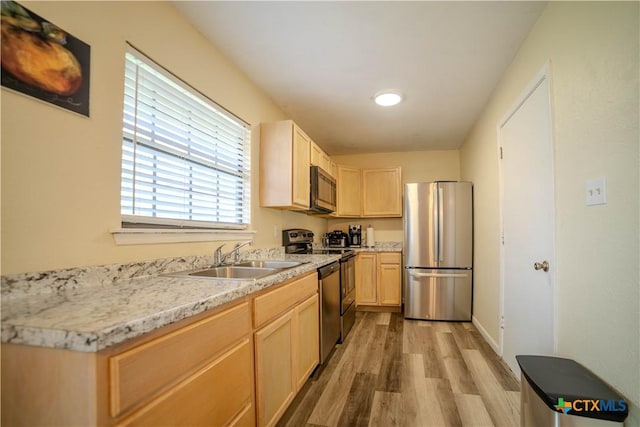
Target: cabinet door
275,382
316,154
348,189
269,306
366,279
333,169
246,418
301,159
215,395
320,158
325,162
389,278
276,164
136,375
307,342
382,192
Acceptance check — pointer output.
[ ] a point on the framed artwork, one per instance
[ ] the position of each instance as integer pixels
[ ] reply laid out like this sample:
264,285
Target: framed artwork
41,60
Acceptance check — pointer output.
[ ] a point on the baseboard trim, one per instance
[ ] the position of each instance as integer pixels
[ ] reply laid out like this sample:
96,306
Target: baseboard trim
494,346
379,308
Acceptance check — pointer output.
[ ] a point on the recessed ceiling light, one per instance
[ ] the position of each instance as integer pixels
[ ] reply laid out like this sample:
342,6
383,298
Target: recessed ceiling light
387,98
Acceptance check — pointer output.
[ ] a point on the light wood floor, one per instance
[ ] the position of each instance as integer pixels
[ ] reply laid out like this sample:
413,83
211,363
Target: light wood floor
396,372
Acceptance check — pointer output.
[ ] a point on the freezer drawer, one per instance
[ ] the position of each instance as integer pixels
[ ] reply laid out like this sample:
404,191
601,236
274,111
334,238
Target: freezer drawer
437,294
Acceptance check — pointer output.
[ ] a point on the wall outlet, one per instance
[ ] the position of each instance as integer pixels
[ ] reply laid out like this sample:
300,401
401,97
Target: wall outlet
596,191
276,231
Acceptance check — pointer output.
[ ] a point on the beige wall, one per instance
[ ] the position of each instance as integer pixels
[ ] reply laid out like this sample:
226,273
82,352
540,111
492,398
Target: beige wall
61,171
593,49
417,166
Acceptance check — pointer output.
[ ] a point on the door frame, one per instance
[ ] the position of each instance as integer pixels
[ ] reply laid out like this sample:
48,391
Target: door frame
540,77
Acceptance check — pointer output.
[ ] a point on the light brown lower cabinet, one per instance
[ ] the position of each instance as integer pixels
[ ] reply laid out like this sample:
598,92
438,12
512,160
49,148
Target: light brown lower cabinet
366,279
286,348
379,279
275,382
389,278
307,339
196,372
218,368
213,396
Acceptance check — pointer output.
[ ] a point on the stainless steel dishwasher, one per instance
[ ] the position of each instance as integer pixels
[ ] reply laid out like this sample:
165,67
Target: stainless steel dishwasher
329,286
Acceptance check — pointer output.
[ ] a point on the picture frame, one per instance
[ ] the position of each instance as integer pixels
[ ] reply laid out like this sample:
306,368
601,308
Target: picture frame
43,61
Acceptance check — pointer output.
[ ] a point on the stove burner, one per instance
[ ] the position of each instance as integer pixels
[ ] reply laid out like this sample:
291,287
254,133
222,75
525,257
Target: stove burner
333,251
299,241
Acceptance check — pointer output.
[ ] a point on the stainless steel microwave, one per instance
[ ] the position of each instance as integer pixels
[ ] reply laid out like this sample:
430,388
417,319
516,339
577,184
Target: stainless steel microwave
323,191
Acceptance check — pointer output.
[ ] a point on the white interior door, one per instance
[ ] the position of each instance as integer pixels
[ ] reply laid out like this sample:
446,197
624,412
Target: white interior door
528,207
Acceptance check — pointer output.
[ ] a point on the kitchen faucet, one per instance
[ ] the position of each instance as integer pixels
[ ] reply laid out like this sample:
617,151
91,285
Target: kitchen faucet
219,258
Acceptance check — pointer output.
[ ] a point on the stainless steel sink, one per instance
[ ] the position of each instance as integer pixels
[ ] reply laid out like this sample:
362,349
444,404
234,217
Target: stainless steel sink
248,270
269,264
231,272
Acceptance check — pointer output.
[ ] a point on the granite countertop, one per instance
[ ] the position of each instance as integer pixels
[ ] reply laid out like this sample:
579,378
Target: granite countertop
90,309
379,247
382,247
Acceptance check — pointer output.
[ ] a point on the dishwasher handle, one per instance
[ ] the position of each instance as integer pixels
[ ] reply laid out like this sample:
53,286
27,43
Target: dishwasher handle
328,269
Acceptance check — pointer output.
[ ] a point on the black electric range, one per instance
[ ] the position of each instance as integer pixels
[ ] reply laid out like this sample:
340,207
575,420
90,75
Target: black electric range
300,241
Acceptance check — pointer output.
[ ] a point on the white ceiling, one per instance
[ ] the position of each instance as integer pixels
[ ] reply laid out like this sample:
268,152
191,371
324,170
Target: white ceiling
322,62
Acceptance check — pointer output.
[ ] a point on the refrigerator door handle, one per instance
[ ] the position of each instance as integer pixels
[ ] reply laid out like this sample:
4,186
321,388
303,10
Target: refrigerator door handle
445,275
434,218
440,223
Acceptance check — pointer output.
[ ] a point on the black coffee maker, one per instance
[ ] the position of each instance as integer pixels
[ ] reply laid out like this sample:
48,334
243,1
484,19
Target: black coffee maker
355,235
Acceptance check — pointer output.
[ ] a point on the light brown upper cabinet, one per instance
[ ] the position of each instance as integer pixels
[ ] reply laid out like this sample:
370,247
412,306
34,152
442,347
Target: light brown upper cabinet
371,192
334,169
284,166
381,192
348,189
320,158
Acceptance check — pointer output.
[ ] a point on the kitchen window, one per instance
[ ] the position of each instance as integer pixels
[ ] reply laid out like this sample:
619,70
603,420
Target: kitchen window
185,159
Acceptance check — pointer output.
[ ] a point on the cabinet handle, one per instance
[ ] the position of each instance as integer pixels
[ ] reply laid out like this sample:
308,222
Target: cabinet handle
453,275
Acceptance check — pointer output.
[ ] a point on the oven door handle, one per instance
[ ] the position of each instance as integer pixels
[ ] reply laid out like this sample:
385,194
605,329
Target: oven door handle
346,258
349,298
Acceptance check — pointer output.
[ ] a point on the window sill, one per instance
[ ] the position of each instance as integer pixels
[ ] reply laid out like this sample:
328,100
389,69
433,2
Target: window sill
148,236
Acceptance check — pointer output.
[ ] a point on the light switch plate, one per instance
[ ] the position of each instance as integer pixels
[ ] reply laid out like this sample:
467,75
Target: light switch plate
596,191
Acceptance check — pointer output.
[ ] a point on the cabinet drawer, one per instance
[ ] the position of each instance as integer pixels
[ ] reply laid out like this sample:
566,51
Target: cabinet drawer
139,374
271,304
246,418
217,395
389,257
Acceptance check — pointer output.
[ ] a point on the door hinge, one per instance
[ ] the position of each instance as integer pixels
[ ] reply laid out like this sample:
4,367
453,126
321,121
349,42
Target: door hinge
501,153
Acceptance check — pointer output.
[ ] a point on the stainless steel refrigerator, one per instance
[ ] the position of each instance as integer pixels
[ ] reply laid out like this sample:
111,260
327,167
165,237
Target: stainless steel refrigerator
438,250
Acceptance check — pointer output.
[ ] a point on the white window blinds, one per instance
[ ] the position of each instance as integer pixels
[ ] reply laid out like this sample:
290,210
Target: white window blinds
185,160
